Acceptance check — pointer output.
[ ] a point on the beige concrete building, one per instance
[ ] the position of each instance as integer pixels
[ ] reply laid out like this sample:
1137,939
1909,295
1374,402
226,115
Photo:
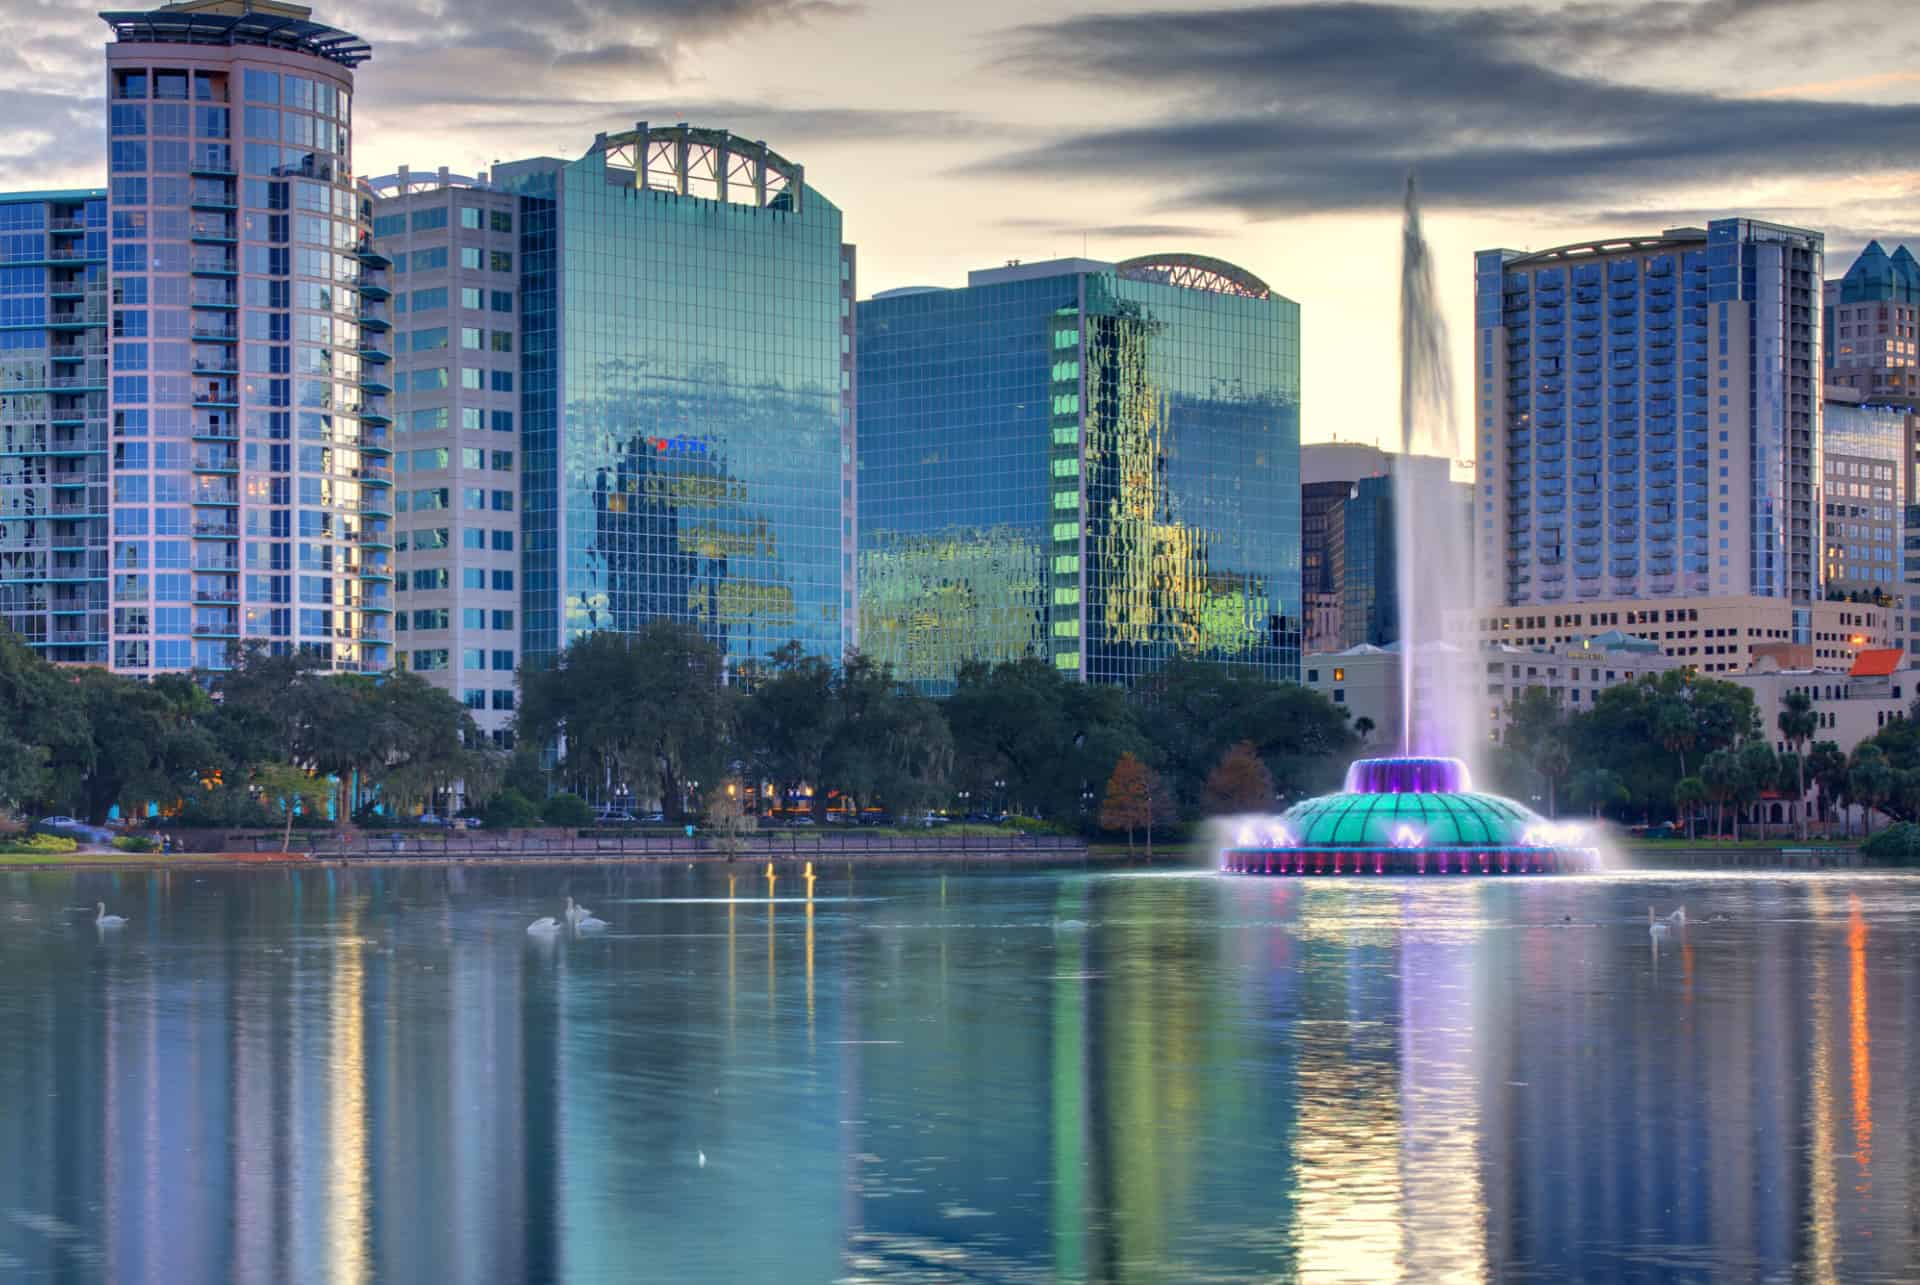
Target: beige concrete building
1852,703
453,244
1365,682
1714,635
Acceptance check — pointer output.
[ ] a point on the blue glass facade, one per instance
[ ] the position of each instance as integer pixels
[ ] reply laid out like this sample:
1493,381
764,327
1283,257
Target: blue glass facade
686,404
53,422
1647,417
1094,464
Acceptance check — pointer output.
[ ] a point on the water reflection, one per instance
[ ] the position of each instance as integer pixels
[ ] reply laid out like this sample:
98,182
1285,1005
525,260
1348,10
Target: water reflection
362,1076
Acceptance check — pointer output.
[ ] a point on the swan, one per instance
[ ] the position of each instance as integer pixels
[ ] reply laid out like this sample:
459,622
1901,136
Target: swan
1657,929
102,919
586,923
577,915
545,926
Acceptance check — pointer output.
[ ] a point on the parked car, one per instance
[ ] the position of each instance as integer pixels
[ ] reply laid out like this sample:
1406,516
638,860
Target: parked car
931,820
614,816
431,818
655,818
466,823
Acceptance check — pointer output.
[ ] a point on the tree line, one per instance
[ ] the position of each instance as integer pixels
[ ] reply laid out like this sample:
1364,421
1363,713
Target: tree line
657,718
1682,747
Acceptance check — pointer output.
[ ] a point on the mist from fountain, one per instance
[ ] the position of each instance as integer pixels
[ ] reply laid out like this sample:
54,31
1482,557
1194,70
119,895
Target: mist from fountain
1439,706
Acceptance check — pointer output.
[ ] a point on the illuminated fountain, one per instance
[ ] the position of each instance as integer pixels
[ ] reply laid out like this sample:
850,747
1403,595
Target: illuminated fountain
1407,816
1418,813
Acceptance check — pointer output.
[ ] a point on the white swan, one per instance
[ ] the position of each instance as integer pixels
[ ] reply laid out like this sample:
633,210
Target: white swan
545,926
576,915
586,923
102,919
1655,927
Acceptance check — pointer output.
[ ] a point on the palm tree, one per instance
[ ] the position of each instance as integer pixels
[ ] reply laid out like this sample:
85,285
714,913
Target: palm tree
1758,770
1551,759
1798,723
1721,775
1869,781
1689,792
1363,728
1828,767
1674,728
1597,788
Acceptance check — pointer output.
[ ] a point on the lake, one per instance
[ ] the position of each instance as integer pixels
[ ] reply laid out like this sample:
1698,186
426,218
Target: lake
376,1075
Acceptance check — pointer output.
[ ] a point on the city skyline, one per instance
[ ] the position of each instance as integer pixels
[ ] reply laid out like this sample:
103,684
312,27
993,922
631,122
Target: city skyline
1276,136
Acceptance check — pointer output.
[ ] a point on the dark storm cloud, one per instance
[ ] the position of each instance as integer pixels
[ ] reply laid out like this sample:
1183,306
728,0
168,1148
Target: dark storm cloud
1326,106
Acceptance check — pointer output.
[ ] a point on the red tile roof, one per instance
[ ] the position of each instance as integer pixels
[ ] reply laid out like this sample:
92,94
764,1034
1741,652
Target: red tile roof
1876,662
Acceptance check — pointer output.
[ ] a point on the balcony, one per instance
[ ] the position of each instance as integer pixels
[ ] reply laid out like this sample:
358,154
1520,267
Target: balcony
213,430
216,462
207,295
374,352
215,265
228,496
213,160
206,331
228,365
212,231
216,530
78,350
65,223
373,257
218,597
216,563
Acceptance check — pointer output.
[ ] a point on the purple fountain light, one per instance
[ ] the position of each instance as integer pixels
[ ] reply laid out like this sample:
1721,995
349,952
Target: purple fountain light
1408,776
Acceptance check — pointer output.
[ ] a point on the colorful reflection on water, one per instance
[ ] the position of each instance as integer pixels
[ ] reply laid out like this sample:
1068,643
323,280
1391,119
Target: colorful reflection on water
376,1075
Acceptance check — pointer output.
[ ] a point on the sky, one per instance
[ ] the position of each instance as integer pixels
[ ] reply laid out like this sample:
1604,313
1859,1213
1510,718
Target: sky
1278,136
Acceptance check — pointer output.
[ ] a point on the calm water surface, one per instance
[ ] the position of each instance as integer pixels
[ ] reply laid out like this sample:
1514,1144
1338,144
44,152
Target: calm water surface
376,1076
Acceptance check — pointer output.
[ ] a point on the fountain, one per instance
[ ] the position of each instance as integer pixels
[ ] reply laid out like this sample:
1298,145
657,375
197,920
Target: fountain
1418,813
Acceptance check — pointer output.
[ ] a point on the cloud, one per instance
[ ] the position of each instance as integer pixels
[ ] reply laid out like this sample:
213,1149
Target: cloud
1299,107
1118,231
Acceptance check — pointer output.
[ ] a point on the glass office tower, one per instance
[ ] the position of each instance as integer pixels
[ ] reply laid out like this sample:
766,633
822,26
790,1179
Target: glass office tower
1649,417
687,395
251,489
1090,463
53,422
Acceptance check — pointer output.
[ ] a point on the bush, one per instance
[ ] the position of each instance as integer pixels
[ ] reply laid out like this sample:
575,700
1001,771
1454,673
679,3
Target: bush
510,810
37,845
135,843
568,810
1897,845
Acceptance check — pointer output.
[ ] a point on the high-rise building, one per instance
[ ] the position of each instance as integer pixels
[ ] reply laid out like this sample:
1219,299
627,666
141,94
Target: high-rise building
453,245
251,491
1349,538
686,398
1864,460
1873,326
1648,418
1323,562
1094,464
53,423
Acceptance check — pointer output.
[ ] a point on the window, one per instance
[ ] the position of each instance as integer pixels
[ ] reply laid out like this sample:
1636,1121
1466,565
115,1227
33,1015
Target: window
426,421
503,502
503,620
503,382
470,257
503,541
472,377
430,618
429,260
503,698
428,300
473,537
472,417
429,379
503,461
502,300
472,457
500,260
428,660
474,697
503,580
500,341
428,340
427,220
500,220
428,579
473,658
471,296
469,217
503,660
471,337
473,578
502,421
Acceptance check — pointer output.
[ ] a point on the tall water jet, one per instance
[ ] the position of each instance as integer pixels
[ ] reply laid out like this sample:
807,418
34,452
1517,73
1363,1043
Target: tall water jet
1432,521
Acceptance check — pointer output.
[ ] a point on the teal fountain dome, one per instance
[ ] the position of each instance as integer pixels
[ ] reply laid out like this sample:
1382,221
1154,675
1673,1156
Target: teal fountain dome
1407,816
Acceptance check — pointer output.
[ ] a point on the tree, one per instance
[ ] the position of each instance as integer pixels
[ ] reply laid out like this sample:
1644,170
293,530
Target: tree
46,745
1363,728
568,811
1869,782
1129,801
1673,727
633,707
885,742
1758,770
1827,765
728,818
291,789
1721,773
1689,792
509,809
1027,733
1798,722
1239,782
1597,788
1192,711
786,721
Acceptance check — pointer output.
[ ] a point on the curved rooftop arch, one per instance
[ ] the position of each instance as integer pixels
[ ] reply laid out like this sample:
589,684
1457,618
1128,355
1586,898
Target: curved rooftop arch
1195,272
692,161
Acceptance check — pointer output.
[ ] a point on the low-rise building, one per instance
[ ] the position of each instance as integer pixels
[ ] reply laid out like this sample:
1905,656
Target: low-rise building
1852,703
1365,682
1715,636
